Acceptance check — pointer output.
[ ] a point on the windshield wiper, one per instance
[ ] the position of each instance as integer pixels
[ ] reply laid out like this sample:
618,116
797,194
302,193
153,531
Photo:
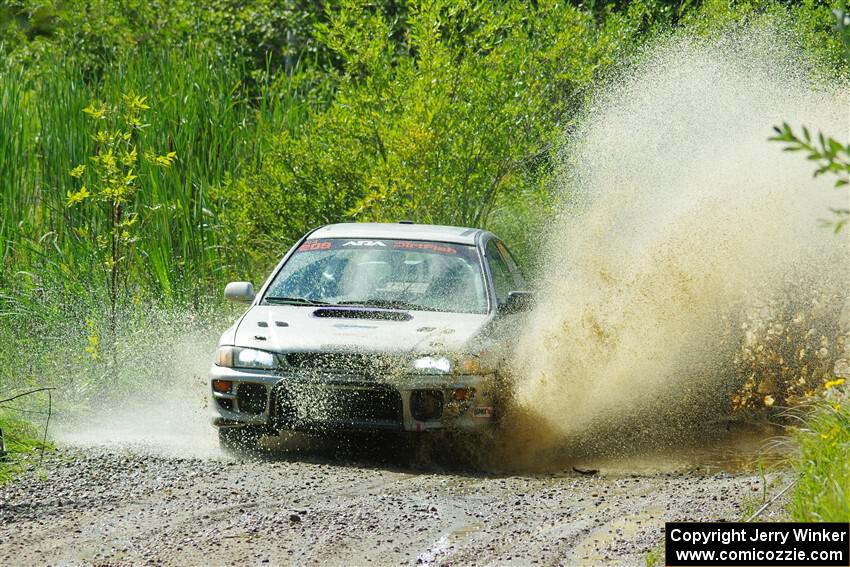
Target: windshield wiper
386,303
294,301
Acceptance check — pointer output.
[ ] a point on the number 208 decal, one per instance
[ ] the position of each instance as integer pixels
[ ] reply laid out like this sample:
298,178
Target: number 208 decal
313,245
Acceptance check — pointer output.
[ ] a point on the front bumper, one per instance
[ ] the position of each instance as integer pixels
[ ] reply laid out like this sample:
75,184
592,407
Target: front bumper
337,401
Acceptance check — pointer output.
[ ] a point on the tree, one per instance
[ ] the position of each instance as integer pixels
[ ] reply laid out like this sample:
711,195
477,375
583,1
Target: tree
112,183
436,117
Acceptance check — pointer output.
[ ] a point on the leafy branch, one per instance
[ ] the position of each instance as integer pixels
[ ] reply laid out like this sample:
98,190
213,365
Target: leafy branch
829,155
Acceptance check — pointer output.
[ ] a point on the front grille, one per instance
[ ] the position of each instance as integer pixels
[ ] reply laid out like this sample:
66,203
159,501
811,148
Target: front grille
353,363
302,405
251,398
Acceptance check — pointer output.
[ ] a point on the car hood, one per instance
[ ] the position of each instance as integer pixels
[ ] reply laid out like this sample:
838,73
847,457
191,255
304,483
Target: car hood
286,328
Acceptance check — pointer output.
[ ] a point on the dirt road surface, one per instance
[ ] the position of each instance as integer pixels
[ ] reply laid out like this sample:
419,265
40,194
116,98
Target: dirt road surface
120,505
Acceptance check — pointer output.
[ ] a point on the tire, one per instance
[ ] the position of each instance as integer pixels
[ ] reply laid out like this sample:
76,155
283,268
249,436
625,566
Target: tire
240,441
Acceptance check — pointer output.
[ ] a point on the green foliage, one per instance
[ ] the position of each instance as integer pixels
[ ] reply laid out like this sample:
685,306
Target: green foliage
822,493
22,441
114,181
830,156
655,556
808,24
92,32
461,116
96,32
54,298
203,114
814,23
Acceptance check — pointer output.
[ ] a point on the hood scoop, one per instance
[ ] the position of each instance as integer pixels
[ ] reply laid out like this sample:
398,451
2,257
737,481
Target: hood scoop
361,313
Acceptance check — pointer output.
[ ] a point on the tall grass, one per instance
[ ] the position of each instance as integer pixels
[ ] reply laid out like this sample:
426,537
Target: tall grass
822,493
23,442
202,108
53,290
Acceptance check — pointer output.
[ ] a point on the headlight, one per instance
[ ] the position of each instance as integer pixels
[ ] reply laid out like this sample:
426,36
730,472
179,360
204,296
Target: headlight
461,365
238,357
433,365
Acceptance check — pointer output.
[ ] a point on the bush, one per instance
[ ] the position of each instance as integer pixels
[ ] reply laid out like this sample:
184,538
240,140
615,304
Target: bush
458,118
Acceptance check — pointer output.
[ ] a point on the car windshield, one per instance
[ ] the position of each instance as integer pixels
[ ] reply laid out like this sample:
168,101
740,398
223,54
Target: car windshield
402,274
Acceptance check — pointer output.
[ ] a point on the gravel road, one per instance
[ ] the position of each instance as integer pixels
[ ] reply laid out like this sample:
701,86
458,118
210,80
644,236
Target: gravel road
123,505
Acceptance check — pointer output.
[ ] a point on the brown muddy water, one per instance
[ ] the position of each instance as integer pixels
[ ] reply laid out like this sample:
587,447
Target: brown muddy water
687,274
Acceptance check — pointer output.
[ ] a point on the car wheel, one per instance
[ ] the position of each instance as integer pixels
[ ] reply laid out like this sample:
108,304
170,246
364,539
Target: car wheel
240,441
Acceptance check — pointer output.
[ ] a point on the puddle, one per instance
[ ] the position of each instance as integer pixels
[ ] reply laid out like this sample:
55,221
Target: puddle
595,549
455,539
725,447
742,448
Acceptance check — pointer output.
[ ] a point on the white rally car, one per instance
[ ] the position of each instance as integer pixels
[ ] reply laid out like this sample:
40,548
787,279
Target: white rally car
398,327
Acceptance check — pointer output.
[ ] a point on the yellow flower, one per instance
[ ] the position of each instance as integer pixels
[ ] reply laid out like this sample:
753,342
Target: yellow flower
134,102
96,112
78,197
831,433
833,383
768,401
163,161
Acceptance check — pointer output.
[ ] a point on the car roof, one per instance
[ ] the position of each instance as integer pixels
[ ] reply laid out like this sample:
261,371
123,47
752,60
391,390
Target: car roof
403,231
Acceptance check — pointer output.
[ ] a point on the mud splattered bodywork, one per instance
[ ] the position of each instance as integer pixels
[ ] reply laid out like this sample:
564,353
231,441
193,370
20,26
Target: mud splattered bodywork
373,326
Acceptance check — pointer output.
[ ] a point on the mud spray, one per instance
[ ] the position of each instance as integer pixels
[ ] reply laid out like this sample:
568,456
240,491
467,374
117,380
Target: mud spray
685,244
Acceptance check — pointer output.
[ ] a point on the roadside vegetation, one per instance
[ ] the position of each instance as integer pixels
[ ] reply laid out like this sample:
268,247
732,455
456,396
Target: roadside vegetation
246,123
822,493
23,445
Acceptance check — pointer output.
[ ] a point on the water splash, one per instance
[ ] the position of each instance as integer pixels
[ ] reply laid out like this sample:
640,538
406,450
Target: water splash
683,232
154,399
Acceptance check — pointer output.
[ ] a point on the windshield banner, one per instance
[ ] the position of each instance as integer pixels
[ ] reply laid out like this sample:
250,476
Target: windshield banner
345,243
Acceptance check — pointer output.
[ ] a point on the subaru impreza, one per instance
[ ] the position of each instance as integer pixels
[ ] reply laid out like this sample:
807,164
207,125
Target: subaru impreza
371,326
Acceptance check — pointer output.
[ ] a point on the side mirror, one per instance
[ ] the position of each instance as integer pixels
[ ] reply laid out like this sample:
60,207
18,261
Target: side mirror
239,292
517,302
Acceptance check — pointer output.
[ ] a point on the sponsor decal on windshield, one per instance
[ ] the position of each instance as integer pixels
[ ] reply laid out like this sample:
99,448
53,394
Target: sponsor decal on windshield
341,243
363,243
426,246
